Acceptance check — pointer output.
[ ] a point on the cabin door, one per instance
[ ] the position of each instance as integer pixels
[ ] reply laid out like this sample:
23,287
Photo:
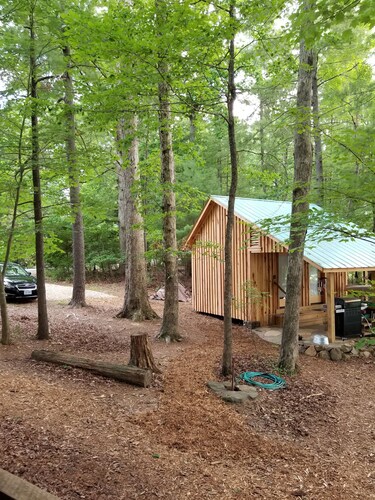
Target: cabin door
314,285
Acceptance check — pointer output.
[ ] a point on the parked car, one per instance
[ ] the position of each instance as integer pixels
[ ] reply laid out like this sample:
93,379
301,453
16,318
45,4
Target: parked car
19,283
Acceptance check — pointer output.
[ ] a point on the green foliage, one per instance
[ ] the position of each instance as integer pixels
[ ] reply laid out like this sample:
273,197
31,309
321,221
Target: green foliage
115,49
365,342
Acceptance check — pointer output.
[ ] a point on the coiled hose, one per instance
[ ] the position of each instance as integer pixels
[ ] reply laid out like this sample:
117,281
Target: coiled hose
276,382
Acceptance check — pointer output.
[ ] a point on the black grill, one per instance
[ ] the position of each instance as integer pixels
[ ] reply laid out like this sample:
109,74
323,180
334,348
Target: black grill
348,317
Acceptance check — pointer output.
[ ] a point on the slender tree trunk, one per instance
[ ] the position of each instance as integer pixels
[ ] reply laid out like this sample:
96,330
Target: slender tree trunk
5,329
43,328
231,96
121,183
78,241
193,131
317,134
261,138
169,330
136,304
300,206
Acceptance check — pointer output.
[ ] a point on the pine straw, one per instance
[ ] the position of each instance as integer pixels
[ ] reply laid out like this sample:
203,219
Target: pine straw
82,436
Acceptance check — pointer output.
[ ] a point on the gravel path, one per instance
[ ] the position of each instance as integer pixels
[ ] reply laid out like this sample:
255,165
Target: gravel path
64,292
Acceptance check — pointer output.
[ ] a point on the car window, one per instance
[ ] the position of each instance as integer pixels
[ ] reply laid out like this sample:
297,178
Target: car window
14,270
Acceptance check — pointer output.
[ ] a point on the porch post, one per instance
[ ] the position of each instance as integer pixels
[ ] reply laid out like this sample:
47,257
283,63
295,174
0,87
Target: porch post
331,306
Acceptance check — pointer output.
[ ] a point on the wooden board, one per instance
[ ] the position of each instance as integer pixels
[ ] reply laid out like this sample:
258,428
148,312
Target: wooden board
15,488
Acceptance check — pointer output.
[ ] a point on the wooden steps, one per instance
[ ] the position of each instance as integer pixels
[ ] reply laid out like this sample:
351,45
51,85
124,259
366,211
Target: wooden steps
308,316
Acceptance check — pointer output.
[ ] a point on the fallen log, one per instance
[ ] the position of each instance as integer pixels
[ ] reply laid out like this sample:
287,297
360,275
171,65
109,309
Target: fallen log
15,488
124,373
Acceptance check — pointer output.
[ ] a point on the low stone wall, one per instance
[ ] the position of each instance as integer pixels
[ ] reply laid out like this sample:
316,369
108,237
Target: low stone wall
336,352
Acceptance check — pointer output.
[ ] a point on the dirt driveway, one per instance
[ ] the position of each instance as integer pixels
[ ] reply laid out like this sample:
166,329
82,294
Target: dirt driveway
64,292
81,436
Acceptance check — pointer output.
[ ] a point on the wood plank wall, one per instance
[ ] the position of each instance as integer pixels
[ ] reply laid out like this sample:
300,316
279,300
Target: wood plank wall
253,265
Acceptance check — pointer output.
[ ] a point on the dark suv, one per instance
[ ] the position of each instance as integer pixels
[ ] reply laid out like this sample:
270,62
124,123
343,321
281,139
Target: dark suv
18,283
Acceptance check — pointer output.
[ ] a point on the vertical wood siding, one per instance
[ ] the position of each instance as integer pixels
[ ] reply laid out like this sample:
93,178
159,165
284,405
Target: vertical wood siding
255,265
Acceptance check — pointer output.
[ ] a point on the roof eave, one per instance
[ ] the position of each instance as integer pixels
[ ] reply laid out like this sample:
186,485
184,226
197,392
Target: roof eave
190,239
346,269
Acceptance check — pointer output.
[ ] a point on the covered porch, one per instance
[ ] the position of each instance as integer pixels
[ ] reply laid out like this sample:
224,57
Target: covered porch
321,318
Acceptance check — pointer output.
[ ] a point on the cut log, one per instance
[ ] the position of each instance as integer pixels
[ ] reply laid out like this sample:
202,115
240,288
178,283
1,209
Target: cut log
141,354
130,374
15,488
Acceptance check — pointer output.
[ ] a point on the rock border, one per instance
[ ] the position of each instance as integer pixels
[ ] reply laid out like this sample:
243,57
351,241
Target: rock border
335,351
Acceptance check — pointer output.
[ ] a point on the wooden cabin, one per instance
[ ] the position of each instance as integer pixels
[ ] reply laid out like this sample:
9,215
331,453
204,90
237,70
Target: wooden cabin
260,262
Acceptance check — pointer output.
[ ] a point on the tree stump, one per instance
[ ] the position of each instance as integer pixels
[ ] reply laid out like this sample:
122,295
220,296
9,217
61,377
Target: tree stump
140,353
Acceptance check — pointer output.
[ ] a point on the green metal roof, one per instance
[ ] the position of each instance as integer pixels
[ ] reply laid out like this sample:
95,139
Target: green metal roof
332,253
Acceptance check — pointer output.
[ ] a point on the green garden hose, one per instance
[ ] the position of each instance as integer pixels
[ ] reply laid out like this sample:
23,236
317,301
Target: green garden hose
277,382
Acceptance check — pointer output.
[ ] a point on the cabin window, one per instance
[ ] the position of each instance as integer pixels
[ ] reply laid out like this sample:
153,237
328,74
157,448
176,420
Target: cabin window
314,289
283,270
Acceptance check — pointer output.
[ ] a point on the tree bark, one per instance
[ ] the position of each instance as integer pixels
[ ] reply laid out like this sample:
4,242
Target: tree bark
300,206
318,150
141,354
78,242
136,304
228,294
170,328
124,373
43,327
5,330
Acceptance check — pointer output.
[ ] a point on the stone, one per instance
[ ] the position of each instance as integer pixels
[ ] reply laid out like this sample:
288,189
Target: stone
215,386
310,351
228,386
335,354
302,348
354,352
346,348
346,356
319,347
251,391
237,397
365,354
323,354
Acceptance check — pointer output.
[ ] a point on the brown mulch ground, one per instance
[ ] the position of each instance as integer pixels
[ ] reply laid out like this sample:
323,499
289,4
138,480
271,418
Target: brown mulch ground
82,436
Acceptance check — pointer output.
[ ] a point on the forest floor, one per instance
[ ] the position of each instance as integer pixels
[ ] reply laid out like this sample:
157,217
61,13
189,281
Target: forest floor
78,435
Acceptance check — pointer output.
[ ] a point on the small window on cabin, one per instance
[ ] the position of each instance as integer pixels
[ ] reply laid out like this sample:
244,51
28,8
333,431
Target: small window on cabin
283,270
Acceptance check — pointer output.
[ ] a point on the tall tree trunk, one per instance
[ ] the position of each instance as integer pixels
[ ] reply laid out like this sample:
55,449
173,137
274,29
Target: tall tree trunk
300,206
136,304
193,129
121,185
231,96
78,242
169,330
43,327
261,138
317,133
5,329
